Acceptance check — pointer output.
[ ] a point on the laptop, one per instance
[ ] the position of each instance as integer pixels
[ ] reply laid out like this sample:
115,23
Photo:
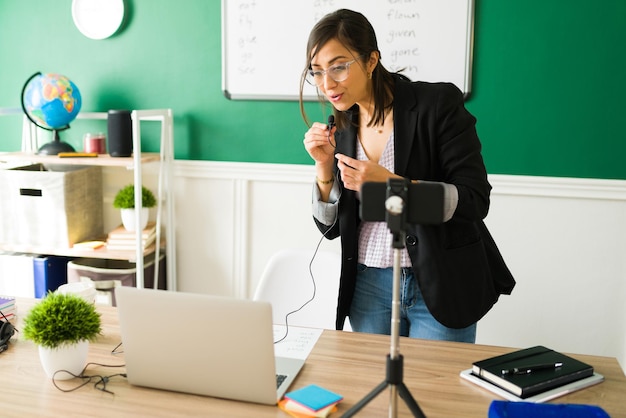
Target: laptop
201,344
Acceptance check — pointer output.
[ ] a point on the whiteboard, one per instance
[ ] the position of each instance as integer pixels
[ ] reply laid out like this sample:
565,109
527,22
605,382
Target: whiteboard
264,42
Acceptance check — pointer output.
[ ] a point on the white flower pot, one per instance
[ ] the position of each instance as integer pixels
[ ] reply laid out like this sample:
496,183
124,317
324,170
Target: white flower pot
71,358
128,218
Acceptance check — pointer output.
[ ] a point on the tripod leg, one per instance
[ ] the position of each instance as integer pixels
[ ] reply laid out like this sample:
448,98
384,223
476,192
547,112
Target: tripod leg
409,401
367,399
394,359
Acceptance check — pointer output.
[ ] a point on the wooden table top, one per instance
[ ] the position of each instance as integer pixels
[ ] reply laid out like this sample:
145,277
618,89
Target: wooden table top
351,364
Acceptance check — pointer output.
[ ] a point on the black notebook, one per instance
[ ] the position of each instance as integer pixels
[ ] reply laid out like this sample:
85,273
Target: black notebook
532,370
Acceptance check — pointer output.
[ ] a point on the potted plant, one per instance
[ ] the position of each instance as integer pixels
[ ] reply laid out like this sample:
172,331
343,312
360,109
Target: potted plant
125,201
62,325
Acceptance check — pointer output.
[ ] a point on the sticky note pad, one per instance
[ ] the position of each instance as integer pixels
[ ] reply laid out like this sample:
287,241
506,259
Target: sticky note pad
314,397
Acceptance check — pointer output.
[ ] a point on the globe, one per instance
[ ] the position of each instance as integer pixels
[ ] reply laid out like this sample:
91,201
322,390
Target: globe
51,101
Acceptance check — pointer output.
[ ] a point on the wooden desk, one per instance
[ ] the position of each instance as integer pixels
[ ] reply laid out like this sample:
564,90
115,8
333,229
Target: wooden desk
351,364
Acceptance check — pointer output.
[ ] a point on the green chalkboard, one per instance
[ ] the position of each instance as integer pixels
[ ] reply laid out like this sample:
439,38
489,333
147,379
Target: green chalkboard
547,82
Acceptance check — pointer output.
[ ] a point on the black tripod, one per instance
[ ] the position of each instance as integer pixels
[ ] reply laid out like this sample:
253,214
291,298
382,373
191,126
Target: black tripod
397,196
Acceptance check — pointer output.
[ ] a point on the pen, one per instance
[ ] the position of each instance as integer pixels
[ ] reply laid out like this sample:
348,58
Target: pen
531,368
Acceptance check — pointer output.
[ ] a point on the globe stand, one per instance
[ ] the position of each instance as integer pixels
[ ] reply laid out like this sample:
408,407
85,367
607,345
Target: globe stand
55,146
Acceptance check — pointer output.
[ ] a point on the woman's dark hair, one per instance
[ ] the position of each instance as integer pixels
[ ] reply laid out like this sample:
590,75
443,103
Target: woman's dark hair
355,32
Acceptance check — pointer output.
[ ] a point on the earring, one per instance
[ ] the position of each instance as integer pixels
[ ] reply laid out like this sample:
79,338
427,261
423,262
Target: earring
369,75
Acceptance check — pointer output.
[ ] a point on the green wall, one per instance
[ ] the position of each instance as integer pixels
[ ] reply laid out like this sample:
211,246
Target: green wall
548,87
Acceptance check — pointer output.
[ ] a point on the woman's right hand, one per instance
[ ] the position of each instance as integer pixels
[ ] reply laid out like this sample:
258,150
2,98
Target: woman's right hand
319,143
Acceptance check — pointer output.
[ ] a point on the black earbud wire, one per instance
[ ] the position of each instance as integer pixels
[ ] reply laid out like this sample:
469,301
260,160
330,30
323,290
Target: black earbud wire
317,247
100,380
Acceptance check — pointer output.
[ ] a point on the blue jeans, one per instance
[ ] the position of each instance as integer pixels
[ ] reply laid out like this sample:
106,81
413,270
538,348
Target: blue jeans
371,308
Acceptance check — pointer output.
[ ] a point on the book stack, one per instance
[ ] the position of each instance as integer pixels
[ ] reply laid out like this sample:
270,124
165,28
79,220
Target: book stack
7,307
310,401
534,374
122,239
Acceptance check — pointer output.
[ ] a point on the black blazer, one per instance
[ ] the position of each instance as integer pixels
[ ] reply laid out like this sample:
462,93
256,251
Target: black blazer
457,264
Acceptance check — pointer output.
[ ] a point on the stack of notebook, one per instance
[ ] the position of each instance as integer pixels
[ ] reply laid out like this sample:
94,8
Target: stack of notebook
122,239
535,374
7,307
310,401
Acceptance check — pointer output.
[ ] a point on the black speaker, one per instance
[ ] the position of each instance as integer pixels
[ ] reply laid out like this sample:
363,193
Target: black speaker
120,133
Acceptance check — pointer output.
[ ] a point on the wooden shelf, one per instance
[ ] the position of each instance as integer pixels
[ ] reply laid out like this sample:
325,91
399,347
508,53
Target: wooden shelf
104,160
101,252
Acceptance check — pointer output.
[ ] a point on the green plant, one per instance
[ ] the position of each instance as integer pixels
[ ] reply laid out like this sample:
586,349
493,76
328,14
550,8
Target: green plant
60,319
125,198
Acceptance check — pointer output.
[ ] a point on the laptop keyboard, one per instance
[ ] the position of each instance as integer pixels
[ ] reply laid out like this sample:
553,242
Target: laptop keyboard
280,378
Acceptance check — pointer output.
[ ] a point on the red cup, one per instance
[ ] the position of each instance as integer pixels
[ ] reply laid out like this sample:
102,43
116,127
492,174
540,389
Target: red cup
94,143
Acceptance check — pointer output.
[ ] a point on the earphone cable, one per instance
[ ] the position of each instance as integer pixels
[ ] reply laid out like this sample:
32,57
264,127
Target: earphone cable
317,247
100,380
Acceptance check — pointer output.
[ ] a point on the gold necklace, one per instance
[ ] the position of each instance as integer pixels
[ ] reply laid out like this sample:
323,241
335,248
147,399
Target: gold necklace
380,129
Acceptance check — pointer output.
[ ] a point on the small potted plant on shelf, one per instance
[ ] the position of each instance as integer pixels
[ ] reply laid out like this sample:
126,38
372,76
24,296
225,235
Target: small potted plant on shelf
125,201
62,325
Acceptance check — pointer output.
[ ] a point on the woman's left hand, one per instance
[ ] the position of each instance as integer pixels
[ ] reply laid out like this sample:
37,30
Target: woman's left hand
356,172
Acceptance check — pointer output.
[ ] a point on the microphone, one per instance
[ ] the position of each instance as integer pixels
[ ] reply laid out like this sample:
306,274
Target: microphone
331,122
329,126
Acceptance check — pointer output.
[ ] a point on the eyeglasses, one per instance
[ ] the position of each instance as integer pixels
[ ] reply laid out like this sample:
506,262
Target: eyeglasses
339,73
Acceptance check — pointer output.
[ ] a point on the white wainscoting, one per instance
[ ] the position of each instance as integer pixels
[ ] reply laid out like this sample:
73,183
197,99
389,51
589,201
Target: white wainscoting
563,239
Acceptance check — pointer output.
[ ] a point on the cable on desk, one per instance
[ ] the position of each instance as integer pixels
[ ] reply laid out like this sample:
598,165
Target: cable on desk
100,380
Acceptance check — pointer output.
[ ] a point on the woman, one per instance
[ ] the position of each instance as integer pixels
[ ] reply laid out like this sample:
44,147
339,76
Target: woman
390,127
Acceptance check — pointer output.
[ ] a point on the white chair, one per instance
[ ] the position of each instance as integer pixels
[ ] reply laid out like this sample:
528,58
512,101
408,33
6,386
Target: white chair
287,284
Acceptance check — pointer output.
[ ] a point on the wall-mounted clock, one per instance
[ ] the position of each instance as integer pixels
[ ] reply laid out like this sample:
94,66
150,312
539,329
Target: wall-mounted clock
98,19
